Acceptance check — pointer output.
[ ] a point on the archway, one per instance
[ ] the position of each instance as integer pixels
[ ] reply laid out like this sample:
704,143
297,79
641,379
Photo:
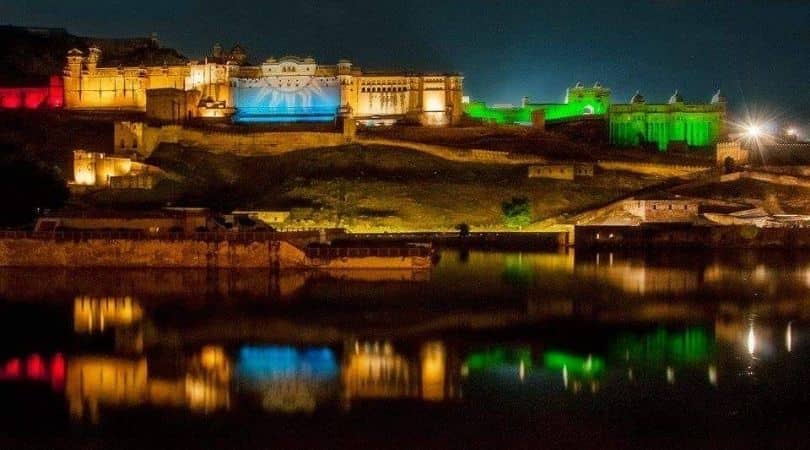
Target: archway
588,111
728,164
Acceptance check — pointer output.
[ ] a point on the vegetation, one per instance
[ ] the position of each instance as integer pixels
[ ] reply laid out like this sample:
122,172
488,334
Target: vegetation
517,213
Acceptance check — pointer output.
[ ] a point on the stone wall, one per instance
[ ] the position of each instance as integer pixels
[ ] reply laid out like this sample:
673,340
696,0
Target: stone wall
731,150
774,178
561,171
148,254
259,143
646,168
458,154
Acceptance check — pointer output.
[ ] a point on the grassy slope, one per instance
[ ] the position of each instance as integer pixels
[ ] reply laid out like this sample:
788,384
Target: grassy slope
371,188
790,199
572,143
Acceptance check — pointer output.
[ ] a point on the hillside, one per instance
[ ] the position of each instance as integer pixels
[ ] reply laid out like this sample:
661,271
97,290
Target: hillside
366,188
30,55
567,142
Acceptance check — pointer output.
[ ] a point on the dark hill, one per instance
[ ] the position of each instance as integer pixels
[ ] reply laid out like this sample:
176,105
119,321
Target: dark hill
32,54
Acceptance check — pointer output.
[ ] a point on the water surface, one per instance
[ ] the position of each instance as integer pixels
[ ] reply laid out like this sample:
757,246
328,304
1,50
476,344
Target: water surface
594,350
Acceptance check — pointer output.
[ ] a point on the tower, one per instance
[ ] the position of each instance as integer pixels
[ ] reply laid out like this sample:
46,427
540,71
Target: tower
93,57
347,91
72,77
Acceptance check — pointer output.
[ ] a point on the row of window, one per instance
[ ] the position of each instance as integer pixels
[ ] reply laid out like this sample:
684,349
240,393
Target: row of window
384,89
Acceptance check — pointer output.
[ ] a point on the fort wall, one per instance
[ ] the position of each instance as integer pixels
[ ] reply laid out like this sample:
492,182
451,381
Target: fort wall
239,143
646,168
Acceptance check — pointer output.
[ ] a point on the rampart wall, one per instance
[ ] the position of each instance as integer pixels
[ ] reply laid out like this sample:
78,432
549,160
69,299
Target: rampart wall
647,168
774,178
263,143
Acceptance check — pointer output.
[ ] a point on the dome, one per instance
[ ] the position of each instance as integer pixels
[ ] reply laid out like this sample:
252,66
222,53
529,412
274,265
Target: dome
676,98
718,97
637,98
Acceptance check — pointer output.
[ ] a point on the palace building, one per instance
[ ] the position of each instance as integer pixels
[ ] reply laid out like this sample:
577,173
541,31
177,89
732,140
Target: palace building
289,89
672,123
580,101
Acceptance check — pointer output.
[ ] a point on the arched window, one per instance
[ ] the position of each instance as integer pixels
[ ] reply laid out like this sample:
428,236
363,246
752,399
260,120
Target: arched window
588,111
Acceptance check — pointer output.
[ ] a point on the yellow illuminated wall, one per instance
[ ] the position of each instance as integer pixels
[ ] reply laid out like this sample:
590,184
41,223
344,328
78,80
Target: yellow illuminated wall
96,169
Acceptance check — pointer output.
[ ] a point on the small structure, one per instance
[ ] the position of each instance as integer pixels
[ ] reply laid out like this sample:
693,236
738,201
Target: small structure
561,171
663,209
730,152
128,137
170,105
104,171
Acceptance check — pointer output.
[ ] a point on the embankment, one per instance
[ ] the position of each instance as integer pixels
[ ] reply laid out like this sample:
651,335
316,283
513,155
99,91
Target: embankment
688,236
128,253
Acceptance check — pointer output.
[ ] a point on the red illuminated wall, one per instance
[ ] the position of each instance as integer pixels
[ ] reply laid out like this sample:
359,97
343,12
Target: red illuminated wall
51,96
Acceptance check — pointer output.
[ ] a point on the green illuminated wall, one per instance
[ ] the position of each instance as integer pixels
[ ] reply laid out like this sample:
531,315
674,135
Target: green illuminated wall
579,101
694,125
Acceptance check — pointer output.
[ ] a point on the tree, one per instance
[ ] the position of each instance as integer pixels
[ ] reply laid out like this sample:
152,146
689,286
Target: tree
517,213
463,230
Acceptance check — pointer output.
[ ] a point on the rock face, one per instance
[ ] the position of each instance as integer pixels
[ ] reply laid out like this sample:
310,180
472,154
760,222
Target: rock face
149,254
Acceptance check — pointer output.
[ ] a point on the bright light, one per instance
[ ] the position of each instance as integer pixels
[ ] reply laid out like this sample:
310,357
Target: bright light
791,132
751,341
753,131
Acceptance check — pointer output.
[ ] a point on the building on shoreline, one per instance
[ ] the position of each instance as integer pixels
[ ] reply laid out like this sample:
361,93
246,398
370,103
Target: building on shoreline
289,89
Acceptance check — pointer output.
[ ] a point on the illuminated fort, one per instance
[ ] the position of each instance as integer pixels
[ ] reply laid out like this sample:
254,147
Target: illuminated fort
289,89
675,123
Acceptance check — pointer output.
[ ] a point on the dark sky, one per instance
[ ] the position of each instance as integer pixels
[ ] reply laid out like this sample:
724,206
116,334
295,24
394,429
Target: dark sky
757,51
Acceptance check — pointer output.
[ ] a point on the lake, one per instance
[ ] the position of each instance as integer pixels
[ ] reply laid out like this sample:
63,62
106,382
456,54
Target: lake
487,350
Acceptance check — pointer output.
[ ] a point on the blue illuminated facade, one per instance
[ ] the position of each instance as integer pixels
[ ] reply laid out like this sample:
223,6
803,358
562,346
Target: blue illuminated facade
286,99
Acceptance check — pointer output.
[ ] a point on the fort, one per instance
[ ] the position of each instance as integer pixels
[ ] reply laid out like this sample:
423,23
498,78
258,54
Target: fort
668,125
289,89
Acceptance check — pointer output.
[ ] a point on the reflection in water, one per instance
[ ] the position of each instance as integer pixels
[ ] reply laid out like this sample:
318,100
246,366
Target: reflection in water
751,341
537,327
91,314
36,368
434,368
288,379
94,381
374,370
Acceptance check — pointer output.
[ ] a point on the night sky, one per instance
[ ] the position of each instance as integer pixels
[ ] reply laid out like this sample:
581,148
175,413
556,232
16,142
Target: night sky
756,51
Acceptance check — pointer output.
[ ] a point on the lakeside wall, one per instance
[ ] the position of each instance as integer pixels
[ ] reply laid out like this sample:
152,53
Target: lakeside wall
126,253
688,236
199,254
